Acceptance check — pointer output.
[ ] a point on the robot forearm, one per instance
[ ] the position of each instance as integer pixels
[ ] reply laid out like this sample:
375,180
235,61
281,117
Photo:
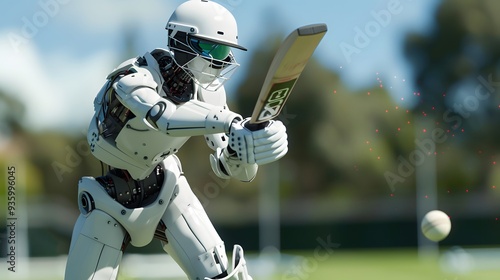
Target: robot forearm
192,118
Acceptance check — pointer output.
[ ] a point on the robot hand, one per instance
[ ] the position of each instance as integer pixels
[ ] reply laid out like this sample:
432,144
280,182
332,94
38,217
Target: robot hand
262,146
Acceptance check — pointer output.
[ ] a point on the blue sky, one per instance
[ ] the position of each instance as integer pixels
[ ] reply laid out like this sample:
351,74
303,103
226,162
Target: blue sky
56,53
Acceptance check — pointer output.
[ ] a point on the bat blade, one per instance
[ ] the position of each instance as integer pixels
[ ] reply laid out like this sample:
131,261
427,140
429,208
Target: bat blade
286,67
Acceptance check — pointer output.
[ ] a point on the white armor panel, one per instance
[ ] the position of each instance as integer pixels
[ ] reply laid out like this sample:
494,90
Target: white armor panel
196,118
140,222
218,98
152,66
137,92
99,239
147,145
192,239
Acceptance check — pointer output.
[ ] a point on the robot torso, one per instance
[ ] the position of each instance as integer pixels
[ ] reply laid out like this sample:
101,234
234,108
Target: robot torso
121,133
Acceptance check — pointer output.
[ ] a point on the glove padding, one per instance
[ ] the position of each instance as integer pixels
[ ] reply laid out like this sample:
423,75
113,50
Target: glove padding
261,146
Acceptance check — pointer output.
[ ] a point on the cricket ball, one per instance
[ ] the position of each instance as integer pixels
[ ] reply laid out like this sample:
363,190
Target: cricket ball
436,225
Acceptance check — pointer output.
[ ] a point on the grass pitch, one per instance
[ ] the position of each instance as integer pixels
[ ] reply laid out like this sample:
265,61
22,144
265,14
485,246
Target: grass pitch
338,264
375,265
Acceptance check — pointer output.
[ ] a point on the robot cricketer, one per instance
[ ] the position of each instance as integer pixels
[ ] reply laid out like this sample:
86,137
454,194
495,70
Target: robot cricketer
147,109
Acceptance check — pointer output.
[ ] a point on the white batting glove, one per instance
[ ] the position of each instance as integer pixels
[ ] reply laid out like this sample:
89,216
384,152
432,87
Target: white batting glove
261,146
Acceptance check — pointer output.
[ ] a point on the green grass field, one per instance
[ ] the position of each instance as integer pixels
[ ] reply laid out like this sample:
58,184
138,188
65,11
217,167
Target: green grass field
375,265
320,265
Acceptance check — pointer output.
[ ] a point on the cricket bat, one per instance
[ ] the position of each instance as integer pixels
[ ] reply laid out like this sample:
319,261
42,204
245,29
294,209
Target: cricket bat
286,67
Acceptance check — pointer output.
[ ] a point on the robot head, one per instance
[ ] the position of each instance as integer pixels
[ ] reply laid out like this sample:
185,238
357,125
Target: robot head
201,34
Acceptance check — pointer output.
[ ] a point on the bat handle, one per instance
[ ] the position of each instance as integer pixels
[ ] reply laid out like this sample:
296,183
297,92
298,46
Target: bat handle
256,126
252,127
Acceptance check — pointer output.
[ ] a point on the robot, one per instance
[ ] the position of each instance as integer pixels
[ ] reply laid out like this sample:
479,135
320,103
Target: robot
144,113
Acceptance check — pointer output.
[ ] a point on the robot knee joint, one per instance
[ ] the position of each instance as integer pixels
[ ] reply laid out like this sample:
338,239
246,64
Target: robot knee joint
85,203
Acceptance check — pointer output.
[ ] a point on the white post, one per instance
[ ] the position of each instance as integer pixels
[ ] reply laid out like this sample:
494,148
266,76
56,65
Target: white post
426,189
269,209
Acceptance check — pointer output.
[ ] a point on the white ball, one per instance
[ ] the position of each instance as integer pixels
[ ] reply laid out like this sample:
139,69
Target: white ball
436,225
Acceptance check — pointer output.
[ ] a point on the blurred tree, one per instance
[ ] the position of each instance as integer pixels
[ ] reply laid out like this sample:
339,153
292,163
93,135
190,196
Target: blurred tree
11,114
462,47
458,76
13,147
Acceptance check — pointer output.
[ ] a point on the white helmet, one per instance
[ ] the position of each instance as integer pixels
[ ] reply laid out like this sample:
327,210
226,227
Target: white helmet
201,34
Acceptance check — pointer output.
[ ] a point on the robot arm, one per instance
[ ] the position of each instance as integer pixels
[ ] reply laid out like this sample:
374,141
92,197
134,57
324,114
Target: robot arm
137,91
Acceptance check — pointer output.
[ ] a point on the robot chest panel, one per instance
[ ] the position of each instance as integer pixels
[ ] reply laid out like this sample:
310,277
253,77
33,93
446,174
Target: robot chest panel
143,143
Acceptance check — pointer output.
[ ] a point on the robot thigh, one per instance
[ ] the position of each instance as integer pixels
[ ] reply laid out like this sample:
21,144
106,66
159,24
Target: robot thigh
96,247
193,241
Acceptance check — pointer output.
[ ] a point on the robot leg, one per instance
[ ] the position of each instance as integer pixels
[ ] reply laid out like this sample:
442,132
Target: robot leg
96,247
192,240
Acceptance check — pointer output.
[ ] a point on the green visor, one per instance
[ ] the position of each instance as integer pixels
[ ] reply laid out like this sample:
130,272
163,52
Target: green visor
210,49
